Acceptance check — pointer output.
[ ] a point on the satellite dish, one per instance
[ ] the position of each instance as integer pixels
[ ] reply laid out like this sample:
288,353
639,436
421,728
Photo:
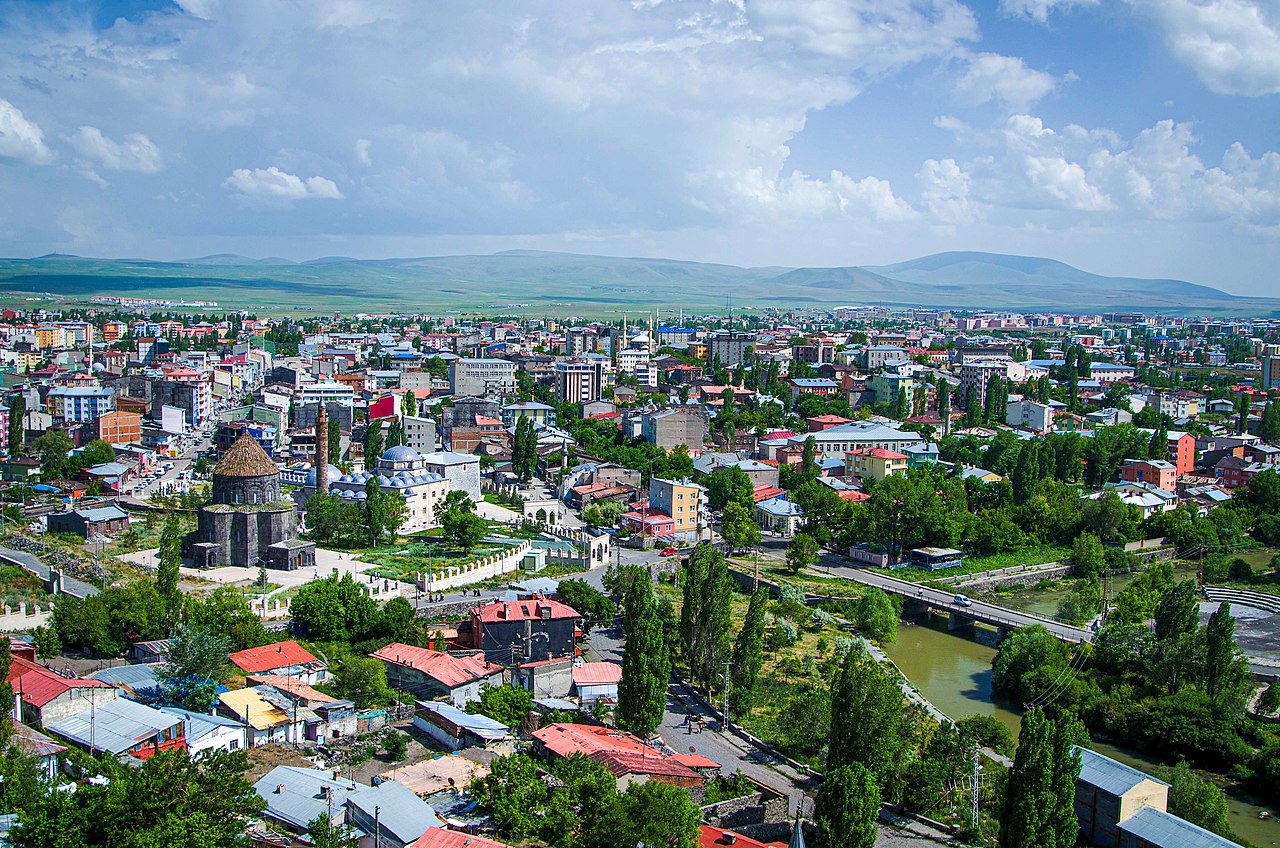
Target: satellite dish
693,749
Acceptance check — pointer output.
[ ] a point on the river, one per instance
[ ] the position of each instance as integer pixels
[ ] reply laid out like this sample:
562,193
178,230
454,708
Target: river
954,672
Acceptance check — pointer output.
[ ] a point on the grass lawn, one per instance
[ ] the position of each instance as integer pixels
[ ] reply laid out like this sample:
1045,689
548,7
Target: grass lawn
423,555
18,586
148,532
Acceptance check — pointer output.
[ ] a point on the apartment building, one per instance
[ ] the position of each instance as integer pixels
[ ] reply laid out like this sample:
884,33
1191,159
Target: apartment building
729,346
482,377
579,380
120,428
78,404
682,500
874,464
681,425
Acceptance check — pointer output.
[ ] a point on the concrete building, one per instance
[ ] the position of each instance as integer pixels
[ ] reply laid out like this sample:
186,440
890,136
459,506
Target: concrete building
514,632
460,470
106,521
1157,472
837,441
579,380
1270,360
542,414
420,433
874,463
683,501
403,471
729,346
120,428
482,377
78,404
1032,415
680,425
42,697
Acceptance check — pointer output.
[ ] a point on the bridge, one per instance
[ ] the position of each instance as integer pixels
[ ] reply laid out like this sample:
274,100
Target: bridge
939,601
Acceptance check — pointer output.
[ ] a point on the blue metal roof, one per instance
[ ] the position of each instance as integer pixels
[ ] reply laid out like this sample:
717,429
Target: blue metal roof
481,725
1157,827
1108,775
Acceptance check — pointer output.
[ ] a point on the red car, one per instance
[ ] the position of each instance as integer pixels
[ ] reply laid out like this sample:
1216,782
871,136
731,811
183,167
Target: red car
666,552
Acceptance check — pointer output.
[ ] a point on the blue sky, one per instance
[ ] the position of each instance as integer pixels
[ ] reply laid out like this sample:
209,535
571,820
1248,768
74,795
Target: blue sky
1127,137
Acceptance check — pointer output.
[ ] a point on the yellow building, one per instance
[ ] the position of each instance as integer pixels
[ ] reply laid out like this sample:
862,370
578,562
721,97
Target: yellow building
681,500
874,463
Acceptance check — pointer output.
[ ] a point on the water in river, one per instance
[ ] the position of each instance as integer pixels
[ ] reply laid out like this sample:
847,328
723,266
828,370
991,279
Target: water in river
954,672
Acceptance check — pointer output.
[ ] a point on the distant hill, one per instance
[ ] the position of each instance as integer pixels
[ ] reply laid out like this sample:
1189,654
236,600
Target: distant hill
567,283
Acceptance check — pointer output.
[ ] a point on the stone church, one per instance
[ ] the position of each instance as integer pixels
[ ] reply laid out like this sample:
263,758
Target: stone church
248,523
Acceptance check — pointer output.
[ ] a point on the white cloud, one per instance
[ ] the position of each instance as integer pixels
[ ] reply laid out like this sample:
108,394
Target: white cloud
1038,10
1096,175
363,146
20,138
1233,46
135,152
1007,79
274,184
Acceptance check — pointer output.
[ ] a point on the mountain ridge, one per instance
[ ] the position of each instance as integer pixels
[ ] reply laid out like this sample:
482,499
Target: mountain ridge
535,278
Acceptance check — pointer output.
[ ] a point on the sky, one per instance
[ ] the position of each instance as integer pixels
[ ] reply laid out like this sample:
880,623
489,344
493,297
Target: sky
1126,137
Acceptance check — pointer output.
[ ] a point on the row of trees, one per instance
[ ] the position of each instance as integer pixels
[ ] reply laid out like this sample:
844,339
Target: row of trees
373,521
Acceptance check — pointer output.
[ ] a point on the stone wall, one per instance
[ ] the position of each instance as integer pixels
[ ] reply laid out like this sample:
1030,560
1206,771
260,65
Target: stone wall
24,617
453,576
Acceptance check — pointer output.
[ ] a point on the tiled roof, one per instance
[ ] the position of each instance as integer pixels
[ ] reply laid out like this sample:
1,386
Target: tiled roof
38,685
245,458
449,670
439,837
530,610
620,752
268,657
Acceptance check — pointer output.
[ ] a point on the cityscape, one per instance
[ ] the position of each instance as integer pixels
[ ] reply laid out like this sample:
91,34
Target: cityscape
585,424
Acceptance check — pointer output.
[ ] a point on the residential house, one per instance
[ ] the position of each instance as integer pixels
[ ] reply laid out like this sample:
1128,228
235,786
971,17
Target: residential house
1182,450
683,501
779,515
440,837
596,680
121,727
535,628
457,729
627,757
296,796
265,714
389,815
1158,472
874,464
206,732
286,659
43,698
86,523
425,673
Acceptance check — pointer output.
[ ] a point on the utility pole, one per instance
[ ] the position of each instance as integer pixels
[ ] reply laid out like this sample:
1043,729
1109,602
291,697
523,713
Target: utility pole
726,696
377,831
973,791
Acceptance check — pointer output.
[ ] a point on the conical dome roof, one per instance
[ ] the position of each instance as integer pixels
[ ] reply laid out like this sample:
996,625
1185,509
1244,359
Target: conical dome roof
245,458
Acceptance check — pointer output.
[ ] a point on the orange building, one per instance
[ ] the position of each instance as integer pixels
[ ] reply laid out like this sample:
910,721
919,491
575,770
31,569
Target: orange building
120,428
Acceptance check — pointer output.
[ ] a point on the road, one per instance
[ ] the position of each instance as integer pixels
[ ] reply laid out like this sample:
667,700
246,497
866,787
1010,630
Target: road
945,601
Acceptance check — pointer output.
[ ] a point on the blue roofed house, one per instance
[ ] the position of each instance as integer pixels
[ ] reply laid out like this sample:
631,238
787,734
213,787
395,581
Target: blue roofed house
455,728
209,732
296,796
104,520
779,515
390,814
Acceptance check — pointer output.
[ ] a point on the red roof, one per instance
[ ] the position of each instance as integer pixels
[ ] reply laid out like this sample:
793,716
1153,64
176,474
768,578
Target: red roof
449,670
878,453
766,492
854,495
714,837
38,685
268,657
597,674
620,752
527,610
439,837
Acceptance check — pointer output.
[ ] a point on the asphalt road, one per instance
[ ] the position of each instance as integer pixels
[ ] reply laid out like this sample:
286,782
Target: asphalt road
945,600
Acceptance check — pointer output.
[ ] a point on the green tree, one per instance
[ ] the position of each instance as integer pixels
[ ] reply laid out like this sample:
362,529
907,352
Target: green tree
408,403
1037,810
594,606
225,612
847,808
6,691
363,680
395,619
1197,800
395,434
46,643
1177,612
1227,678
17,424
167,571
1083,602
372,444
507,704
462,527
53,447
805,720
738,528
877,615
727,485
196,657
802,552
1028,663
706,613
334,441
659,814
748,648
1087,557
866,718
604,513
334,609
646,663
171,799
324,833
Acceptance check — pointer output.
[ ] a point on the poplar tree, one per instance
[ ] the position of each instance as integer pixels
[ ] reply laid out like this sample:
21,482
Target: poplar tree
748,648
705,615
866,718
167,573
17,412
1227,677
1037,810
372,445
409,403
847,808
646,662
335,441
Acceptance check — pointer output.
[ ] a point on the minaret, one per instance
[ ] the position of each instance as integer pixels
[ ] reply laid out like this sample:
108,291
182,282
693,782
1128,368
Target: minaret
322,449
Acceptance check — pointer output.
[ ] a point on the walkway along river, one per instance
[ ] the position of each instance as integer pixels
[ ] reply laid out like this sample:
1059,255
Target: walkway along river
953,671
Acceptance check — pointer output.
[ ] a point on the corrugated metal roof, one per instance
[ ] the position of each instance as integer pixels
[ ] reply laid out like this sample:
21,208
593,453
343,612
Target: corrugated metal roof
1109,775
138,681
297,796
481,725
1166,830
115,726
403,814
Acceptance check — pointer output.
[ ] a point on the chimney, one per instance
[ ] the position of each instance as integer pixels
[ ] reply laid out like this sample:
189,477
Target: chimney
730,838
279,788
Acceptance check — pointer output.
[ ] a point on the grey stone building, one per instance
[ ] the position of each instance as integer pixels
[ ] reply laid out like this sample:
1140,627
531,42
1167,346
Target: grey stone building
248,522
679,425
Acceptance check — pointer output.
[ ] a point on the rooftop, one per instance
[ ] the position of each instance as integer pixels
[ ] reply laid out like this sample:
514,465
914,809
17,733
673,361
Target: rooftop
449,670
268,657
245,458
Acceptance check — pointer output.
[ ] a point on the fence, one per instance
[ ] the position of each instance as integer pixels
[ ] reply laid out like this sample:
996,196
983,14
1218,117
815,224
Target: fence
24,617
453,576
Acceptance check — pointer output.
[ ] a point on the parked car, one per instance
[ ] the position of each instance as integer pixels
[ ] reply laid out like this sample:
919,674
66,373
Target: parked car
963,601
668,552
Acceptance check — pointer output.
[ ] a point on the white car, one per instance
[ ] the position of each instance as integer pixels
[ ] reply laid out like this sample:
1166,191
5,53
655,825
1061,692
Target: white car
963,601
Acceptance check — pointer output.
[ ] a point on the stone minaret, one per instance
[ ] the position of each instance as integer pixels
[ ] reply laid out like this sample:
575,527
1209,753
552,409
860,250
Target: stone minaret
322,449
